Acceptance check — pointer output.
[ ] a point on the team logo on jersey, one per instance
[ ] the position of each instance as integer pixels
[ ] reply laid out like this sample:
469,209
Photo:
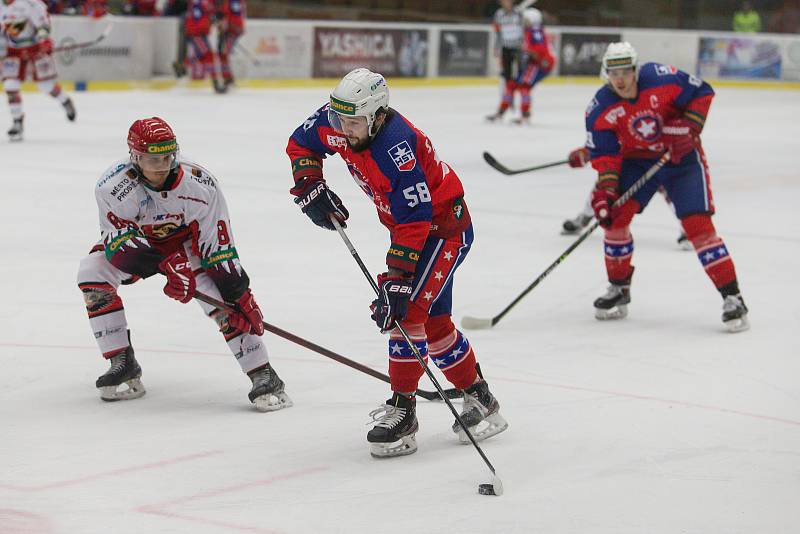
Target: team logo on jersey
403,156
665,70
614,114
358,176
337,141
645,126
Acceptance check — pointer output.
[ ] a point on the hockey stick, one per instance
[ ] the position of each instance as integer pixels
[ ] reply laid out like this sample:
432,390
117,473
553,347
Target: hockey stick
496,486
247,53
477,323
66,48
505,170
429,395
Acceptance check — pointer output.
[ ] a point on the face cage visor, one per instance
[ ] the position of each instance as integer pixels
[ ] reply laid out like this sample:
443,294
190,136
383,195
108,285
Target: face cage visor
155,163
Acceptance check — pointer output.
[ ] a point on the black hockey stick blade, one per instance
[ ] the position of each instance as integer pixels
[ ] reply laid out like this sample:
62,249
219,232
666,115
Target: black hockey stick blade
492,161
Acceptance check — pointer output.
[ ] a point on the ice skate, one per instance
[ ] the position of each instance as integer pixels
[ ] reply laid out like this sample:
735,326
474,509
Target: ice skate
734,314
496,117
614,304
268,390
69,107
524,120
684,243
480,414
573,226
179,68
395,427
124,370
15,132
219,86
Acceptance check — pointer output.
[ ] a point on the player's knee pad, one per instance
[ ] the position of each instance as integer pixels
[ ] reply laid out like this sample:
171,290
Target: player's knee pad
440,330
623,215
622,233
100,298
699,229
14,96
404,368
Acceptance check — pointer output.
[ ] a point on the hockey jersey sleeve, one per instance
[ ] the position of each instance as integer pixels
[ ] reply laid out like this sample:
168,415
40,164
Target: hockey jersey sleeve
604,146
125,246
407,165
695,99
306,149
213,239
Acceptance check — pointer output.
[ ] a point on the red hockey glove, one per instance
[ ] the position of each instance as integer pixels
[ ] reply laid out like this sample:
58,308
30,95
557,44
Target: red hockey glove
579,157
680,139
603,197
319,202
247,317
180,278
391,305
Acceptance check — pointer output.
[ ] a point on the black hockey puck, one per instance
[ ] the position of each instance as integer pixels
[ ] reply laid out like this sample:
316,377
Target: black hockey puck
486,489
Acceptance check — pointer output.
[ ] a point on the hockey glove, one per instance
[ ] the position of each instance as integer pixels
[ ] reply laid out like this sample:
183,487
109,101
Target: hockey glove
603,197
680,139
391,305
578,157
181,283
247,317
319,202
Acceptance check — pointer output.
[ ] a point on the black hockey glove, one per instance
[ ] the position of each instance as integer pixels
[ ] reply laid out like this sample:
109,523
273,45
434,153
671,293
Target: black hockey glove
391,305
319,202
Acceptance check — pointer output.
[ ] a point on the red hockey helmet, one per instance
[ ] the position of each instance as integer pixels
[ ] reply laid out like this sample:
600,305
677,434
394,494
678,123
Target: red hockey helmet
153,145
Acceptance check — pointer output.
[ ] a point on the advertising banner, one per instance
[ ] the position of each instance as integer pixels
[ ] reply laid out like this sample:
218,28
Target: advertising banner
791,60
125,54
390,52
733,57
582,53
273,50
463,53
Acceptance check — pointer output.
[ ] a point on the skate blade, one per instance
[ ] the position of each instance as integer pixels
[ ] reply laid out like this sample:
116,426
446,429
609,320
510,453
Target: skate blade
737,325
272,402
403,447
135,389
491,426
617,312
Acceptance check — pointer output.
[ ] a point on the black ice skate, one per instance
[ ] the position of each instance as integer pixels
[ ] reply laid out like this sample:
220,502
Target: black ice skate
124,370
734,313
393,433
614,304
220,87
179,68
15,132
69,107
495,117
573,226
684,243
267,393
480,413
524,120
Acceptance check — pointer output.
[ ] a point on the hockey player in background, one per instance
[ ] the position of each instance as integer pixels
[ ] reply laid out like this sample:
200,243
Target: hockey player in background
638,114
199,55
420,199
26,25
508,30
160,214
536,63
230,27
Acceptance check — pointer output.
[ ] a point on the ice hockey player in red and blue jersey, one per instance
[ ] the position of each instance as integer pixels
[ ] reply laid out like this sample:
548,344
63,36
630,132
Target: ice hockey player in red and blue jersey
639,114
420,200
537,60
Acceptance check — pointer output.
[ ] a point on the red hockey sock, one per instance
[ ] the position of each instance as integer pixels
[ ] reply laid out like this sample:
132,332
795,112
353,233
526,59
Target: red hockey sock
618,245
404,368
451,351
711,250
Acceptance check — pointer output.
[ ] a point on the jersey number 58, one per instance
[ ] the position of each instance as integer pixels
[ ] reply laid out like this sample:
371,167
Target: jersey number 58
416,194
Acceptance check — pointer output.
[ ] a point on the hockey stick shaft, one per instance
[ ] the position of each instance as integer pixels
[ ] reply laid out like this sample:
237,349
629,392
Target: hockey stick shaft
471,322
93,42
492,161
414,348
429,395
247,53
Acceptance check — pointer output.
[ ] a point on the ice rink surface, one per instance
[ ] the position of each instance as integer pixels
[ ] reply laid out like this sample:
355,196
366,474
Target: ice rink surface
662,423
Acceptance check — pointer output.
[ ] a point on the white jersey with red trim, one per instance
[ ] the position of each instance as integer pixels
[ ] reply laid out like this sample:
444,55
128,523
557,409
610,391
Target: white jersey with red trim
139,226
22,22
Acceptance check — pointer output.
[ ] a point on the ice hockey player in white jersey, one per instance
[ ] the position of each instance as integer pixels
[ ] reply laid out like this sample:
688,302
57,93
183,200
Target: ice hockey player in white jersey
163,215
26,26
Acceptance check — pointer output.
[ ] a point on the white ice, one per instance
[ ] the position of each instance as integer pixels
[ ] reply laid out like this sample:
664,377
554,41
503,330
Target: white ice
662,423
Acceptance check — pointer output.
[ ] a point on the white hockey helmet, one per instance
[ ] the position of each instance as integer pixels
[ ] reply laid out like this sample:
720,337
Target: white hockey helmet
620,55
361,93
532,17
